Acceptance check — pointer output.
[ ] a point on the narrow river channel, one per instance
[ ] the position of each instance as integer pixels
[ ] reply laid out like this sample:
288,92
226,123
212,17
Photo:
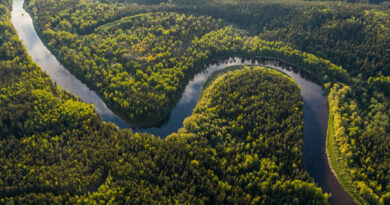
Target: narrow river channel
315,102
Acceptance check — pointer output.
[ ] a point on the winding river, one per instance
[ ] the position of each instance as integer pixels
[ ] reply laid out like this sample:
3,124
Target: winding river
315,102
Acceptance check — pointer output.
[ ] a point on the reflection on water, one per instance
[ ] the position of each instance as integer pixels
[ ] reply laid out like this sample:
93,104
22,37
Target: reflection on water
315,103
310,91
58,74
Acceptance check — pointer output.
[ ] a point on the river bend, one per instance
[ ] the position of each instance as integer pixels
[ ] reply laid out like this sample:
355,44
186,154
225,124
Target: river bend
315,102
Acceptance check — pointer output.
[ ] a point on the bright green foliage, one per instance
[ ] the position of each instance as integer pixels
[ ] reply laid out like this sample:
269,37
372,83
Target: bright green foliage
252,120
47,137
140,57
361,155
354,36
139,65
55,150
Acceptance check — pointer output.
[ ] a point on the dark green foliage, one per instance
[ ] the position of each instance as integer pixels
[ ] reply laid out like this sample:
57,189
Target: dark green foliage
252,118
355,36
140,56
55,150
139,65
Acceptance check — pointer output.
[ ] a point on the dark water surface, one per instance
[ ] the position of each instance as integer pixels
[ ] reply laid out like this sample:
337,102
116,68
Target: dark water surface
315,102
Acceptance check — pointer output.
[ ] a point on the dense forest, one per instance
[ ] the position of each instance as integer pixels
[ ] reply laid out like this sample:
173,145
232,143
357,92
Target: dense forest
244,139
55,149
354,36
137,51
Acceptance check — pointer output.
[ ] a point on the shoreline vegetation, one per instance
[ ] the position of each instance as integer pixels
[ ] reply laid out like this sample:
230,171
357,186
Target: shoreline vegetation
55,149
304,61
205,57
335,161
210,106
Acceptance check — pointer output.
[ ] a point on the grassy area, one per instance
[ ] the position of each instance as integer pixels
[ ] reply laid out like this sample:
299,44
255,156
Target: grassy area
338,164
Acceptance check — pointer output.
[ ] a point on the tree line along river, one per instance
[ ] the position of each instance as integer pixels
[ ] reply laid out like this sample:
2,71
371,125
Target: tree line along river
315,102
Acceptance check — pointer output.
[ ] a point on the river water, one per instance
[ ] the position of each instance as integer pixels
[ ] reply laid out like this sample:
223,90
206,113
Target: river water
315,102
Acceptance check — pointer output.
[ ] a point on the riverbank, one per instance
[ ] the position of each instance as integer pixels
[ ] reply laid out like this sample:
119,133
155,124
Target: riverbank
338,164
311,92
